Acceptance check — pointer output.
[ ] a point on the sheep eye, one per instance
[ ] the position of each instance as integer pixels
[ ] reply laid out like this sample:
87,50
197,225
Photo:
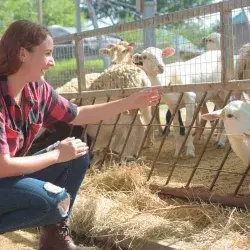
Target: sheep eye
229,116
144,57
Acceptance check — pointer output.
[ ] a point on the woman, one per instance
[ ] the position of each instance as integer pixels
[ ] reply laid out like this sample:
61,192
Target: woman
39,190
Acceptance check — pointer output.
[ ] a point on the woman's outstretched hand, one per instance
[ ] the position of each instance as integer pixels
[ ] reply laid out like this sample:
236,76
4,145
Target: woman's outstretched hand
144,98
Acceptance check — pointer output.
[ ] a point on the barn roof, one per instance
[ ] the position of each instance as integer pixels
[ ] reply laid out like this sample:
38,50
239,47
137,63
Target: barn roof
243,16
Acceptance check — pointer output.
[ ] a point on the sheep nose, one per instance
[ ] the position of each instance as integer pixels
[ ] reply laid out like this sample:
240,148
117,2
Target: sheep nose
161,69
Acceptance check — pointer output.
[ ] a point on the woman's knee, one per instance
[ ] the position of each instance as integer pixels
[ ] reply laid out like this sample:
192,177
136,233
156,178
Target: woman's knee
59,207
81,163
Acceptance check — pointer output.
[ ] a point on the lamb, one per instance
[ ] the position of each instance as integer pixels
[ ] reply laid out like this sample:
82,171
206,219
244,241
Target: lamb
204,68
124,76
236,116
212,42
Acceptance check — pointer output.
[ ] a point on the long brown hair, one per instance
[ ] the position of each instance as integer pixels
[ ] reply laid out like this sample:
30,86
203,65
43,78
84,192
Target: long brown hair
22,33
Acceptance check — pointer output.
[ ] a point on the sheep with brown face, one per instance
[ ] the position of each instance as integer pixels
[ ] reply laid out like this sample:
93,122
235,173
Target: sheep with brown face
120,53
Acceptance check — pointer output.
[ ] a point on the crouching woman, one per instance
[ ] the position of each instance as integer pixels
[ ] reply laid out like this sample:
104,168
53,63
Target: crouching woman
39,190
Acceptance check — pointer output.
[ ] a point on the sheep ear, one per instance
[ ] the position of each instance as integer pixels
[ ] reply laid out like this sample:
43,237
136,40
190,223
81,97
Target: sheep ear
132,44
110,46
104,51
212,115
168,52
136,58
245,97
130,48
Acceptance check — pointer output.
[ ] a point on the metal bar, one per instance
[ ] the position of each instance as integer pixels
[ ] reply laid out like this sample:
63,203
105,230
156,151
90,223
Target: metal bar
164,137
158,20
85,127
178,88
200,168
97,132
201,194
242,179
129,132
186,136
110,139
80,65
72,126
149,126
206,144
227,63
220,168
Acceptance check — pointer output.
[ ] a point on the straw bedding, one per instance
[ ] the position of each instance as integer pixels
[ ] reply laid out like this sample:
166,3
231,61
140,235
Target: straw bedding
118,203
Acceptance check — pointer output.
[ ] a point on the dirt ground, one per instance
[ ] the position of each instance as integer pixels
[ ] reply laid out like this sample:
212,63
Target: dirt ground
228,179
19,240
210,162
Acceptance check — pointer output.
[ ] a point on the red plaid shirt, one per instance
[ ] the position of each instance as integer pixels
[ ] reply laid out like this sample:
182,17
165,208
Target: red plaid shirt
42,107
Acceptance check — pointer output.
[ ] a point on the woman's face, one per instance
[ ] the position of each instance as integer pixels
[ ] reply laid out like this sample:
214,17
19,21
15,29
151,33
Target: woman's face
36,63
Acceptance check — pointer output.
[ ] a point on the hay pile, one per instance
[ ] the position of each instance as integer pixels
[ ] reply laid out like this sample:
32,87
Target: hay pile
119,204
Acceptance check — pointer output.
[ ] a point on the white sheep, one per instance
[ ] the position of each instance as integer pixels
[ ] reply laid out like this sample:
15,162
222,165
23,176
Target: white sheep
123,76
212,41
72,85
236,116
204,68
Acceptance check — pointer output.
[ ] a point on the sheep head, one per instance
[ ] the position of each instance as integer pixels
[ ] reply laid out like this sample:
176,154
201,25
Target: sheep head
120,52
236,116
151,59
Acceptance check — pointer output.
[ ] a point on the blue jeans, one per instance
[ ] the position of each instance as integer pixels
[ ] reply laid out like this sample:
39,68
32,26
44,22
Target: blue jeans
31,201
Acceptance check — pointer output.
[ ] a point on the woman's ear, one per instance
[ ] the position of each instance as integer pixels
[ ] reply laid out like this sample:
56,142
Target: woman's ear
23,54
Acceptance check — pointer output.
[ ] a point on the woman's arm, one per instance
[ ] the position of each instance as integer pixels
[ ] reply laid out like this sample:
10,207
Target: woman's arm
93,113
14,166
68,149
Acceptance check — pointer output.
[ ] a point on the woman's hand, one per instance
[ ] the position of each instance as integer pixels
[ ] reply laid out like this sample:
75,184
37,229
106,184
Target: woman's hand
144,98
71,148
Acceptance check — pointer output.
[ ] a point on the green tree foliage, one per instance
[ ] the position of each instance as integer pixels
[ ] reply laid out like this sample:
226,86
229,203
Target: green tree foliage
122,8
166,6
11,10
61,12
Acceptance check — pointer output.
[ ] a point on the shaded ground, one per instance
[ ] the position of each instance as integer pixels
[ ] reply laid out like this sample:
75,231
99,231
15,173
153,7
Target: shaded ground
228,179
19,240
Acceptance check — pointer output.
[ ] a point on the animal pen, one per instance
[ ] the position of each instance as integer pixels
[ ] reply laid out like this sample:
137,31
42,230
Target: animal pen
215,175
